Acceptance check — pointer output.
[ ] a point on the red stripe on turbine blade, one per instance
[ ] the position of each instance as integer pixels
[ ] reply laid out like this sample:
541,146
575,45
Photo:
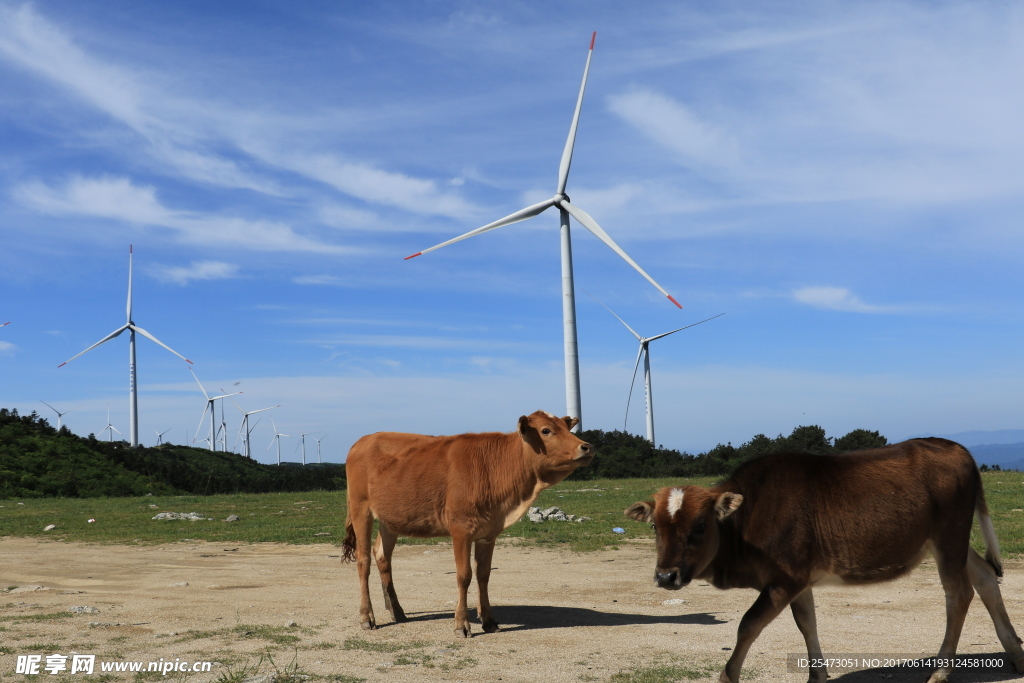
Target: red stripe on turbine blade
592,39
188,361
678,305
62,364
418,253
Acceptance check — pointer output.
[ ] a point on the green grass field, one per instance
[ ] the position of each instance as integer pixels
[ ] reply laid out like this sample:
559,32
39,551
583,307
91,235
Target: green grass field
318,517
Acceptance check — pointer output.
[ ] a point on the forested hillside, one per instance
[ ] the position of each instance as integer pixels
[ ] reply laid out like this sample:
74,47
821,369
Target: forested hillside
36,460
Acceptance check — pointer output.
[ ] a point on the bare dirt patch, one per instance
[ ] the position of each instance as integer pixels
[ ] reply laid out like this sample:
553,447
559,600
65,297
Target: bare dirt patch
565,616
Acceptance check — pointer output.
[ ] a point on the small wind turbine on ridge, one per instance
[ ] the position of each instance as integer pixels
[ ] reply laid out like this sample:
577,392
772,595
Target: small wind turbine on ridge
318,447
645,352
59,414
211,405
133,400
565,209
160,436
110,429
276,435
244,428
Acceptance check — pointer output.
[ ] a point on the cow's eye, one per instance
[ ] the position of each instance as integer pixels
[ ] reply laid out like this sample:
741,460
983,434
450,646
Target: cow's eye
545,431
699,529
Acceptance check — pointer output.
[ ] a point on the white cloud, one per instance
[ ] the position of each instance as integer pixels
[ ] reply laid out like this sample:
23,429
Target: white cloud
119,199
198,270
7,348
834,299
673,124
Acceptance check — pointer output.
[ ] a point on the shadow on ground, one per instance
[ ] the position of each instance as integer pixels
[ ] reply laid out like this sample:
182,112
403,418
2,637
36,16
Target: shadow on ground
530,617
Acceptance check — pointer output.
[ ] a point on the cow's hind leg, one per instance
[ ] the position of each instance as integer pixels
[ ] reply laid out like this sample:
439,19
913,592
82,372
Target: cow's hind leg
382,549
983,578
484,550
959,593
463,577
768,605
362,524
803,613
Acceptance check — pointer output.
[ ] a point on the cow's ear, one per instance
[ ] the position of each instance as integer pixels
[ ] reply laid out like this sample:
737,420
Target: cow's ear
524,425
641,512
727,504
570,422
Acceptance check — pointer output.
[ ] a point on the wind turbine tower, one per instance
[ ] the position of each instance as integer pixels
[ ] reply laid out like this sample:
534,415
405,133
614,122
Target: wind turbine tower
565,209
644,351
110,429
318,447
277,437
133,401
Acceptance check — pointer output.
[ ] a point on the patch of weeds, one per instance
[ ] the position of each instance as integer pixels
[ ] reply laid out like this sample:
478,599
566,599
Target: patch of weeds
322,645
118,639
414,658
43,647
274,634
142,676
199,635
290,673
665,673
587,677
6,650
367,646
42,617
342,678
460,663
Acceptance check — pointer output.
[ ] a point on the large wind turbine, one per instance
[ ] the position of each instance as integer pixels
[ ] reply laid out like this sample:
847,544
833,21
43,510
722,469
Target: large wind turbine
211,405
59,414
244,427
565,209
133,402
277,437
645,352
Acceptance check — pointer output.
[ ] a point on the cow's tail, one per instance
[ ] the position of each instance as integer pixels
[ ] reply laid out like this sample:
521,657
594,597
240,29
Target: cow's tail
988,532
348,547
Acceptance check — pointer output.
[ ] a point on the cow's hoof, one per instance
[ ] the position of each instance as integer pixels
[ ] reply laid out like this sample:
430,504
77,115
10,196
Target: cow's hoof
463,632
368,625
400,618
490,626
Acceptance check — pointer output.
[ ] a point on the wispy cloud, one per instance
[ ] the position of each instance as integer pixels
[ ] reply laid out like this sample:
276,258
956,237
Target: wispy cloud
835,299
7,348
674,125
120,199
198,270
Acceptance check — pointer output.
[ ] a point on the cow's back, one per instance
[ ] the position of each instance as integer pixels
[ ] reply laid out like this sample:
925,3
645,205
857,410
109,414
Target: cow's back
837,513
416,483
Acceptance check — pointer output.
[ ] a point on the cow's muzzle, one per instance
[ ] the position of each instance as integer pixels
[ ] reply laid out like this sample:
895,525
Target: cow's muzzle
670,578
584,454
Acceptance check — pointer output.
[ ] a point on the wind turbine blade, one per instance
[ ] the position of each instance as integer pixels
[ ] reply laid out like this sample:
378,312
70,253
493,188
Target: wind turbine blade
273,423
207,408
254,424
631,383
271,442
200,385
521,215
590,224
638,337
129,320
217,398
650,339
101,341
253,412
149,336
563,166
6,323
115,429
236,405
50,407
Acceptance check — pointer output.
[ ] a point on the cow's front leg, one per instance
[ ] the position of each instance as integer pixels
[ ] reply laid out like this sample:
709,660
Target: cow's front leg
768,605
463,577
484,550
803,613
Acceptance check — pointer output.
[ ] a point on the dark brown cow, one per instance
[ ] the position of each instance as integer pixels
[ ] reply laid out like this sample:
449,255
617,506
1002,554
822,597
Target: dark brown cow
470,487
784,523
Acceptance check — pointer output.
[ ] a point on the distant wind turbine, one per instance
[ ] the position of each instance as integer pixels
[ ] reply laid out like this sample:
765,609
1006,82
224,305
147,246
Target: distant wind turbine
160,436
59,414
133,402
302,442
277,437
245,429
110,429
565,209
645,352
211,405
318,447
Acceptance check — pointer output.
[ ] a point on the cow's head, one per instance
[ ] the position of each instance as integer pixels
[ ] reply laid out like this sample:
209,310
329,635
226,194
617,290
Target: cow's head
686,521
554,450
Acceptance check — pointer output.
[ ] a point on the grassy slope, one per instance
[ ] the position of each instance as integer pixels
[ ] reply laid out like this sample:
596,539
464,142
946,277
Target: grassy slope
298,517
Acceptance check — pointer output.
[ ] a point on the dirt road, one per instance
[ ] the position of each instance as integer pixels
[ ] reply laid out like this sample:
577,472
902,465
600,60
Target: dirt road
564,616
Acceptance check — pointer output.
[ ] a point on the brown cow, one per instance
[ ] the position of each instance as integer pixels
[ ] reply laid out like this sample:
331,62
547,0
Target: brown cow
470,487
784,523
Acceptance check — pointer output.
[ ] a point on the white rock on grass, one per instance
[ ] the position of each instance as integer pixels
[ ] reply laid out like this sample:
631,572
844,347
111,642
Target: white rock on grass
552,514
190,516
83,610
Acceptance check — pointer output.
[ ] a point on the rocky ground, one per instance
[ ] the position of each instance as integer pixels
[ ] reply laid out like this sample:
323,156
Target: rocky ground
565,616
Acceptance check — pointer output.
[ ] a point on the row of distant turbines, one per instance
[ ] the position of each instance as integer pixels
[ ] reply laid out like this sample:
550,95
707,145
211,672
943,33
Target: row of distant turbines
572,380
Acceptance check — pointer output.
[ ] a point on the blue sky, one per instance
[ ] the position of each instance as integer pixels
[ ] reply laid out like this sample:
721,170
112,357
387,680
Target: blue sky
843,180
